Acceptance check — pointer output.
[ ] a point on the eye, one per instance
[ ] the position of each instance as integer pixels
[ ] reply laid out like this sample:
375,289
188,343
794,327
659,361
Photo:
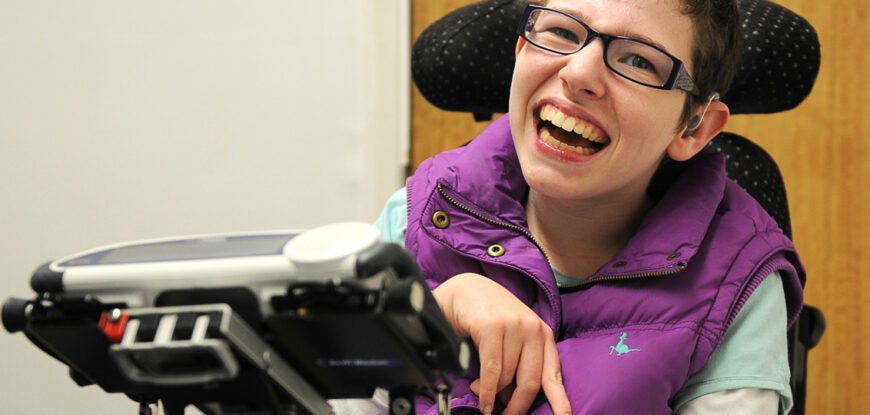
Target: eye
639,62
564,34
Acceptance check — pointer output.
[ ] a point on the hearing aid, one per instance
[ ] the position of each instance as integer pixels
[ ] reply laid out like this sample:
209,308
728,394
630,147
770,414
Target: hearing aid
695,122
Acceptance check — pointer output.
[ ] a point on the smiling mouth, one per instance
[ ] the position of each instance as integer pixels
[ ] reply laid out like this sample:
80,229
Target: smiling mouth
569,133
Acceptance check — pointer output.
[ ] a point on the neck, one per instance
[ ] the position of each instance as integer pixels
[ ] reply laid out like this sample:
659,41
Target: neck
581,236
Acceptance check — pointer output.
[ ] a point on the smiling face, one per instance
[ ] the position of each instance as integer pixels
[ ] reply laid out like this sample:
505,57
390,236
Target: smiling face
581,131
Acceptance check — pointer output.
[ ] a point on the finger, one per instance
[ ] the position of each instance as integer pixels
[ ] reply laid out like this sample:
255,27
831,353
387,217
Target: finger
505,394
490,350
551,380
528,377
512,347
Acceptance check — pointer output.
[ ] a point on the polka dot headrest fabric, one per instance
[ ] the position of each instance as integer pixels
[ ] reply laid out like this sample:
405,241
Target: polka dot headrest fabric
753,169
464,61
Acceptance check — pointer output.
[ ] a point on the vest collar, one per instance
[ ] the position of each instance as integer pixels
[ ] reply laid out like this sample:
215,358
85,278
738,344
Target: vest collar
488,173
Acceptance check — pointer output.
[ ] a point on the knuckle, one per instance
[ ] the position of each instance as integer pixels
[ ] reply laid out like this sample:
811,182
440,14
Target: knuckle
527,389
491,366
529,325
546,331
529,384
554,379
495,322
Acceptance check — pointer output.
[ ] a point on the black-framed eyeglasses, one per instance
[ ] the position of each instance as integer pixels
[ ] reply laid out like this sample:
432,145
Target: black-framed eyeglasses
633,59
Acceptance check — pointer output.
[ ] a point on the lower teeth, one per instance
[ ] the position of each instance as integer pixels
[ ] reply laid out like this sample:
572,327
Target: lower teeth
548,138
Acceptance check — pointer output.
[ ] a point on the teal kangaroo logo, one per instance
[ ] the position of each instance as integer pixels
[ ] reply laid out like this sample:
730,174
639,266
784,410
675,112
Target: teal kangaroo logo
620,347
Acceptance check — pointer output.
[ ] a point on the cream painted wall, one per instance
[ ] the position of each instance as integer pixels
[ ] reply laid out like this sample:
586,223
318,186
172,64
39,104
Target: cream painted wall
123,120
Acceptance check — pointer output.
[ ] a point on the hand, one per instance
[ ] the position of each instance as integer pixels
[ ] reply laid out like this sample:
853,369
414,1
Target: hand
518,354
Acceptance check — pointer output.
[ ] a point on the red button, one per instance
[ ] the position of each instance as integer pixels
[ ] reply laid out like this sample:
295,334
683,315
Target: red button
113,327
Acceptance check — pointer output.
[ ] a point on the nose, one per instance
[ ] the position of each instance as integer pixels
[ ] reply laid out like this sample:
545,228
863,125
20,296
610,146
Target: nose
584,72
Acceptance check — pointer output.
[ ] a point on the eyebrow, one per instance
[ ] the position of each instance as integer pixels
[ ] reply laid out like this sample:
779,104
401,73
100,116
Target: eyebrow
623,33
640,37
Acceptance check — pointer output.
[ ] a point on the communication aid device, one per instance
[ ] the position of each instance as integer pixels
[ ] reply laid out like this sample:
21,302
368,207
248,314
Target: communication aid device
272,322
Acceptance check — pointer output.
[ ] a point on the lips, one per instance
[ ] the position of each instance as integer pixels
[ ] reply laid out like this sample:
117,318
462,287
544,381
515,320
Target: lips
570,133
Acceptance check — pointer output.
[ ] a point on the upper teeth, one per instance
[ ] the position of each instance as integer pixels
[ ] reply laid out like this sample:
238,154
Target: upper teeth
572,124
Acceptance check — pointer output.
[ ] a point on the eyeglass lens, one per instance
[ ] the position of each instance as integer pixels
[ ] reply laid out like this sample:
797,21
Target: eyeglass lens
632,59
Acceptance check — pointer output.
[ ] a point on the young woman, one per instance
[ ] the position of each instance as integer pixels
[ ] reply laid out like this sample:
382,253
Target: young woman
585,242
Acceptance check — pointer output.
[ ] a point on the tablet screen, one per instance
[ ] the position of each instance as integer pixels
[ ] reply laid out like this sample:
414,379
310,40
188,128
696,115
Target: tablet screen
186,250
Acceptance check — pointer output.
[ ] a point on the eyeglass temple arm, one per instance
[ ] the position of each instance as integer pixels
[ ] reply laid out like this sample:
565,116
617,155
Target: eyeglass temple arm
684,81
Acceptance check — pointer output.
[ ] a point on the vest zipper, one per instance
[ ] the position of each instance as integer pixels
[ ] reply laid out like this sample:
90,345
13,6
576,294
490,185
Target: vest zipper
491,221
556,314
767,268
678,267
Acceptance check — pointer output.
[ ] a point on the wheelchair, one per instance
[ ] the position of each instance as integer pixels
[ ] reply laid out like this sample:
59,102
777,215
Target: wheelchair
780,61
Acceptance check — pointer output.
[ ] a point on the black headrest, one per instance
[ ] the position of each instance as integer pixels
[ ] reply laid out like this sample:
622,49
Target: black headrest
464,61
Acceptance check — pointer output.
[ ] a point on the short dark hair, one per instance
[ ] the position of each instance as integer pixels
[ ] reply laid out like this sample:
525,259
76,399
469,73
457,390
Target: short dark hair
716,54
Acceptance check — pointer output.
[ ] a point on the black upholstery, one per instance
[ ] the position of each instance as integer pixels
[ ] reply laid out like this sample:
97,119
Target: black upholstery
753,169
464,62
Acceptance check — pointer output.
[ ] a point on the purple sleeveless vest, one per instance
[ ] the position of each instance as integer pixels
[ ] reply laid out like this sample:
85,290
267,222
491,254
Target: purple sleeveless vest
644,322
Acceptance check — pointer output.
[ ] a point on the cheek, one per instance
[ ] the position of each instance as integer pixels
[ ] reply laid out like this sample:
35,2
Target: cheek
532,71
522,86
517,95
651,117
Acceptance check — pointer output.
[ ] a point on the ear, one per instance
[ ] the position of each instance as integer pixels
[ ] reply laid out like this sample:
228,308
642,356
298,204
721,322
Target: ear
713,122
520,43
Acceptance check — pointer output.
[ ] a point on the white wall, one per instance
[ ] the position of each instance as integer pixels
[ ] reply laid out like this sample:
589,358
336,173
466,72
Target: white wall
123,120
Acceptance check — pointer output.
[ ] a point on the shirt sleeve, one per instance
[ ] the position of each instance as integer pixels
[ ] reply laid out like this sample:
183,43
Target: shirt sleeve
748,373
746,401
393,220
